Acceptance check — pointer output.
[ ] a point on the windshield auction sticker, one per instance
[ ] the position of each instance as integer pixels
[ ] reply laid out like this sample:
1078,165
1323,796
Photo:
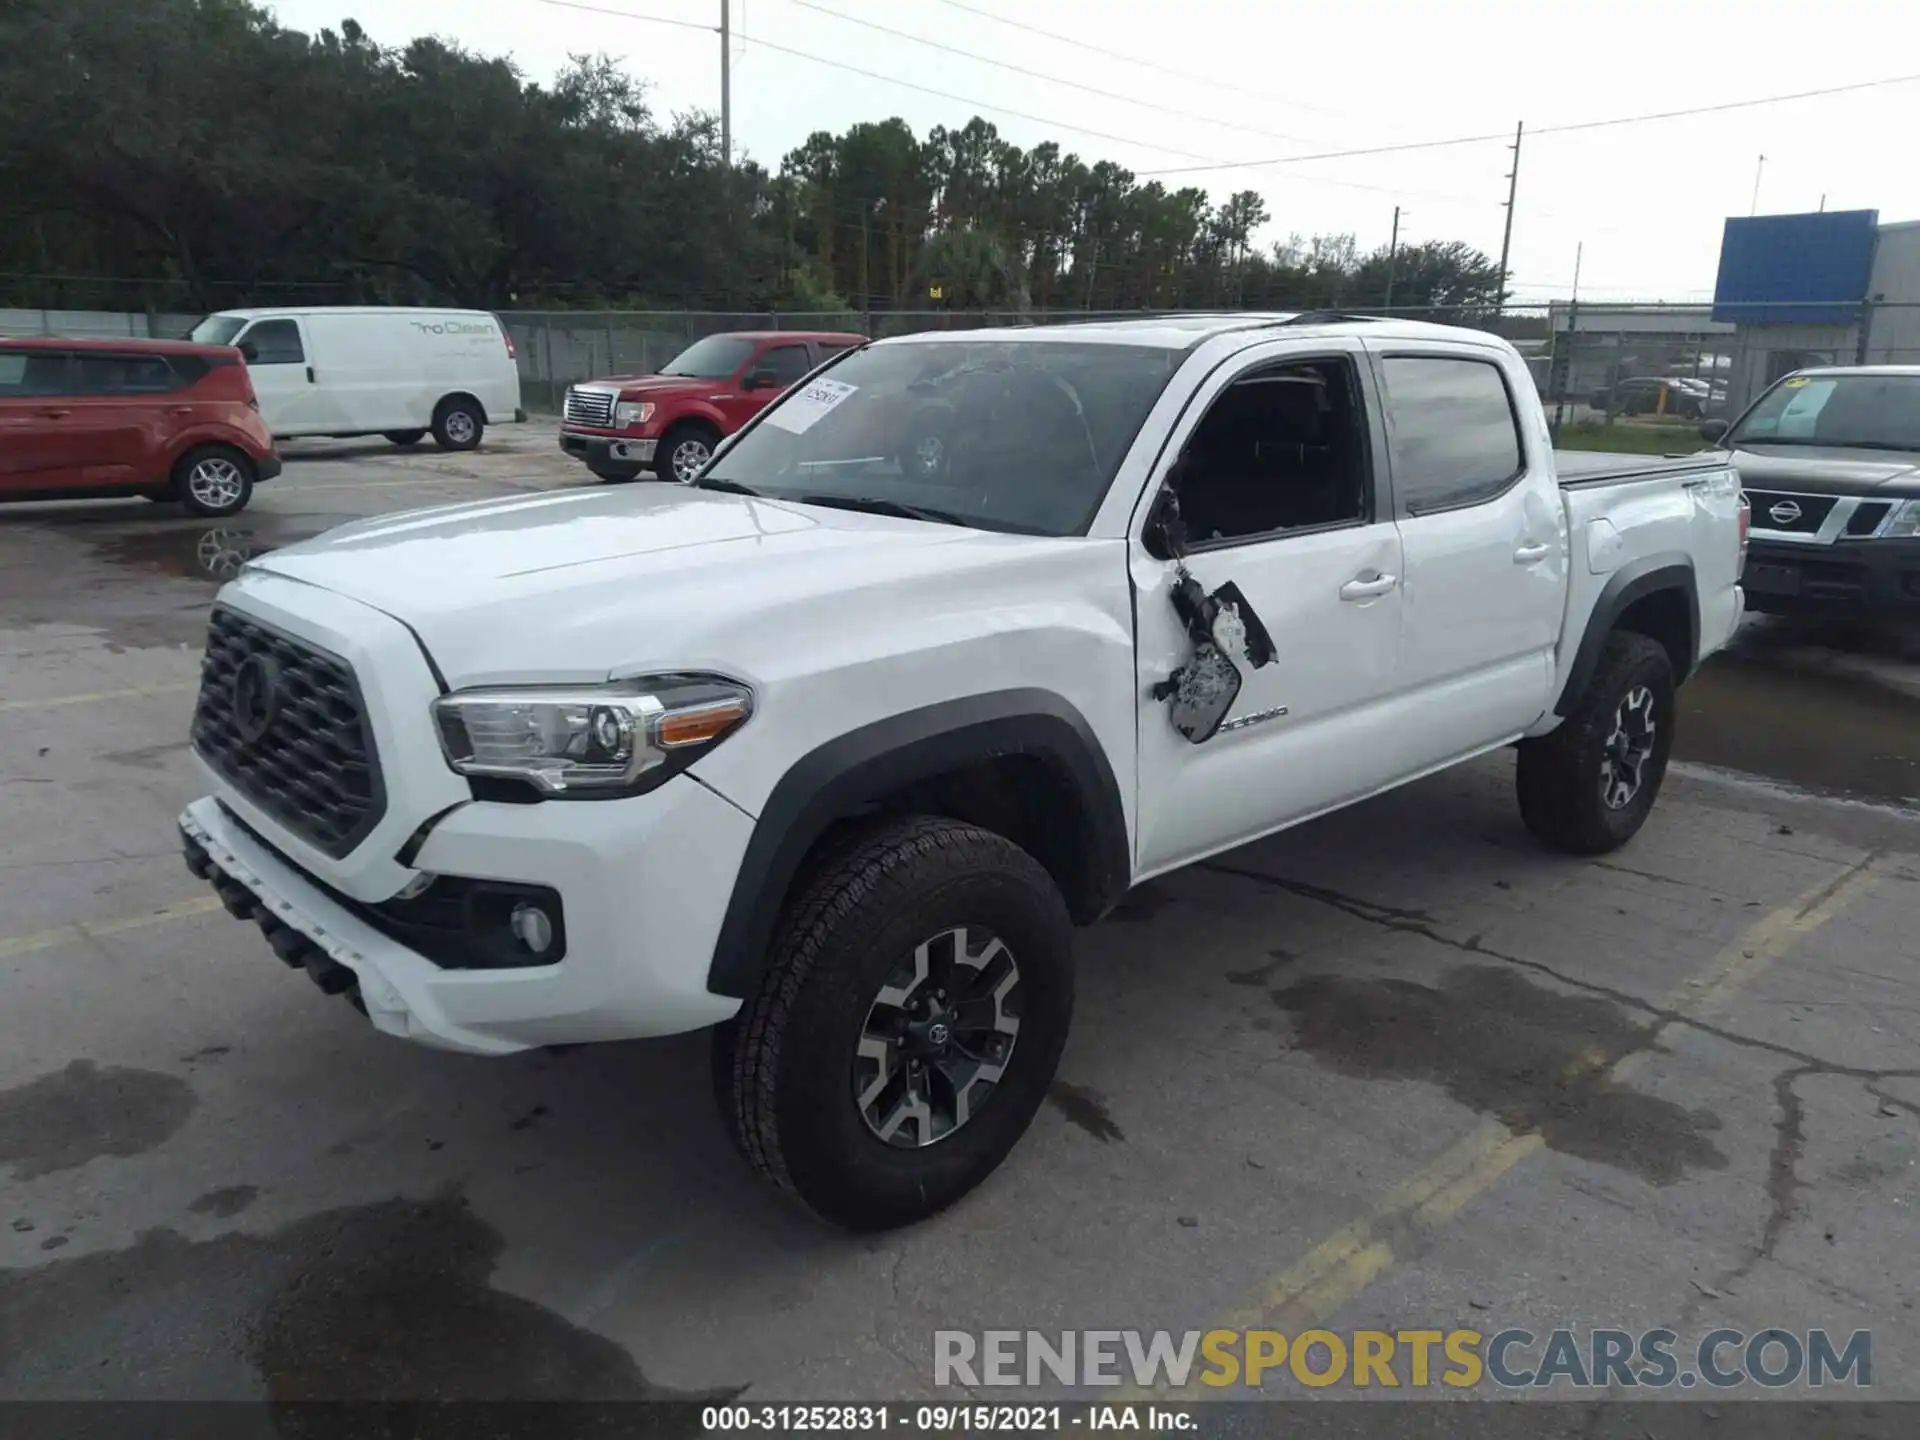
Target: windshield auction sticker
803,409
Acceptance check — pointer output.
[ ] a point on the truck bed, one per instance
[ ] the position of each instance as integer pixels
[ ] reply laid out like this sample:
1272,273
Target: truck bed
1600,467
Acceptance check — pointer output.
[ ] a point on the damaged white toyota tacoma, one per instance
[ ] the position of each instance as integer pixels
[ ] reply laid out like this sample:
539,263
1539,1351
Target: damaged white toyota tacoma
831,748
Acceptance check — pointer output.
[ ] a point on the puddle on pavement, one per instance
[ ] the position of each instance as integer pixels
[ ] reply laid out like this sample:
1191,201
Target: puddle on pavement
1755,711
86,1112
213,553
1533,1058
387,1301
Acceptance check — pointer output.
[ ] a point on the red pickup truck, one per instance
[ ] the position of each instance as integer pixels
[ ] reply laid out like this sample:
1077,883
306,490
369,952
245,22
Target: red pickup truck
671,421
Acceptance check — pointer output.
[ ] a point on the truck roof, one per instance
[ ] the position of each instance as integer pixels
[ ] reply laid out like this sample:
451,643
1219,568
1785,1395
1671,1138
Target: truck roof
1185,331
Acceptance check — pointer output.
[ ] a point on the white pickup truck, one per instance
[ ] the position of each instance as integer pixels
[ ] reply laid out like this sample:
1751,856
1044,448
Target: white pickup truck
964,637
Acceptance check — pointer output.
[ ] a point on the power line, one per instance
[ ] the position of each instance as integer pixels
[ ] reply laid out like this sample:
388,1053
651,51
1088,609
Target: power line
1043,75
635,15
1211,81
765,44
1548,129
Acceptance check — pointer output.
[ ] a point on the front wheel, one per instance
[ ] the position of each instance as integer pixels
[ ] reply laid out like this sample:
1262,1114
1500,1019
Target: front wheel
907,1027
615,474
1587,787
404,438
684,453
213,480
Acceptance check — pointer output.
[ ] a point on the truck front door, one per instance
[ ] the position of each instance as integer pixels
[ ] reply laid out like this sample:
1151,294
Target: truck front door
1280,485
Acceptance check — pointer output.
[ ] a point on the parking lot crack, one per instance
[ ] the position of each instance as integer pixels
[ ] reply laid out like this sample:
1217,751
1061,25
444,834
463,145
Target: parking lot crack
1414,922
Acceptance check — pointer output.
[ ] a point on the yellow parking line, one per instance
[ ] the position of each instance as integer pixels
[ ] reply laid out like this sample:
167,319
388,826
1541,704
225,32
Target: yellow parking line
94,929
55,701
1343,1265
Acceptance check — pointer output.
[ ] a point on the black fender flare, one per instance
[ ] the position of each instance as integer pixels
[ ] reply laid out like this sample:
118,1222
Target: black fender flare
1634,581
839,779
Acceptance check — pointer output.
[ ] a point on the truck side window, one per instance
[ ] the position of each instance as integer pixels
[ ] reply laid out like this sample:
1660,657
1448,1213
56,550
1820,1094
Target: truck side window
276,342
1281,449
1453,432
784,364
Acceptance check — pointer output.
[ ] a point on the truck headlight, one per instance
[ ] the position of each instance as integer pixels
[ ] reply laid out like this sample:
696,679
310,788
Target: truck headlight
632,412
1905,522
590,741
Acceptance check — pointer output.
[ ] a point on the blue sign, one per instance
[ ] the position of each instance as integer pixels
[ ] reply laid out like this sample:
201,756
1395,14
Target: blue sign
1796,269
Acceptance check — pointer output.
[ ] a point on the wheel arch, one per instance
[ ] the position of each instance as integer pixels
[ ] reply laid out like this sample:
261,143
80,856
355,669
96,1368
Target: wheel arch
453,395
1657,596
1023,763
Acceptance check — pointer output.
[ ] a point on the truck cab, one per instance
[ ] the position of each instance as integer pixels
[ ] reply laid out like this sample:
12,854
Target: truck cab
671,422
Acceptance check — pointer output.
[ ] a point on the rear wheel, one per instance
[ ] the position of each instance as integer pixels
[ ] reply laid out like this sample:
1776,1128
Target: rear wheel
684,452
1587,787
406,437
458,423
213,480
908,1024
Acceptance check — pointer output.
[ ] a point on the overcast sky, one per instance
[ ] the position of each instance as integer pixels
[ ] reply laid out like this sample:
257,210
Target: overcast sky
1283,77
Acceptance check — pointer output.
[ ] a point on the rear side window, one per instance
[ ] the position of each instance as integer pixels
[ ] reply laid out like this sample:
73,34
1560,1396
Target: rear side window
33,372
125,375
275,342
1455,438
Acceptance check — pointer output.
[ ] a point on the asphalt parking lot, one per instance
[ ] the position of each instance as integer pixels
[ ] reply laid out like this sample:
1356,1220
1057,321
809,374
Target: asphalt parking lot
1395,1069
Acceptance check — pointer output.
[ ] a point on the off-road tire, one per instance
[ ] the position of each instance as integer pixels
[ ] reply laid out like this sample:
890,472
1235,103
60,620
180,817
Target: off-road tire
1558,774
616,474
783,1068
404,438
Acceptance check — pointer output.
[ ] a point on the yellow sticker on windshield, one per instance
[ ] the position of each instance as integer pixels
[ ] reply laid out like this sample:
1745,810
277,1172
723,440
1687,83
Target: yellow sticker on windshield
1795,383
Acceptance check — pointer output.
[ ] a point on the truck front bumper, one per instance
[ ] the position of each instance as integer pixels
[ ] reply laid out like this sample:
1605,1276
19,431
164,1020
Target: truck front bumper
607,449
1851,576
644,884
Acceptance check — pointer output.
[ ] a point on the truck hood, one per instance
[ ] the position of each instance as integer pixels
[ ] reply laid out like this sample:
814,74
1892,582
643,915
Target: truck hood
653,387
583,584
1824,470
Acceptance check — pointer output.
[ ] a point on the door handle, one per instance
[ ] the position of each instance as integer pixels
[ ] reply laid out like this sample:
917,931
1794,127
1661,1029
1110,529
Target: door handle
56,414
1531,554
1370,588
181,410
310,379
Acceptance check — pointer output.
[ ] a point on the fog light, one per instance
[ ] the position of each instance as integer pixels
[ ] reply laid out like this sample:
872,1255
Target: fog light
531,927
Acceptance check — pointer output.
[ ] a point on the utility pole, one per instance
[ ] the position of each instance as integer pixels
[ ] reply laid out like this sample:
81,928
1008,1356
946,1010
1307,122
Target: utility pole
1758,170
726,84
1393,252
1513,190
1565,375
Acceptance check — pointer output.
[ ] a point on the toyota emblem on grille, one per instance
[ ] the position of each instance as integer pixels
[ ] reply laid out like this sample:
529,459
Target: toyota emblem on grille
1785,513
256,697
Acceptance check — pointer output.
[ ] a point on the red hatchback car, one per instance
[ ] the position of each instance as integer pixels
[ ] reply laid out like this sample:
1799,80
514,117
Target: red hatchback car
87,419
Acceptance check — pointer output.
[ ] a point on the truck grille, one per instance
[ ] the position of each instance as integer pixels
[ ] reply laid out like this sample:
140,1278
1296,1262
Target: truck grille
1791,514
284,722
590,407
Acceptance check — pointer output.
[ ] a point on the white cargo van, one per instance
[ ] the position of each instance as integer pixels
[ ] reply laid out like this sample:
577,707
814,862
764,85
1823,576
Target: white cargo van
401,373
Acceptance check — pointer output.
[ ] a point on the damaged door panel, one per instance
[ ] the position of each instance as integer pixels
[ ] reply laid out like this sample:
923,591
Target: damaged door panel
1226,634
